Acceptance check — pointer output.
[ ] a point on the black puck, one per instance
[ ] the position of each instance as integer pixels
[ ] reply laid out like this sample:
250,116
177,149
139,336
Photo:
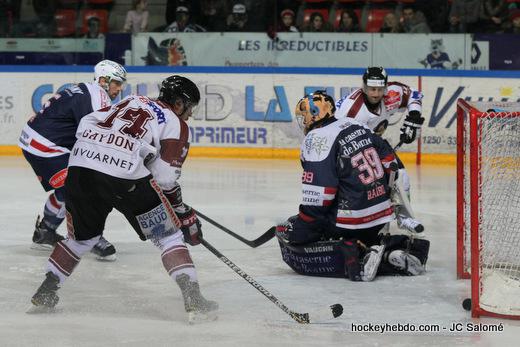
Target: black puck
467,304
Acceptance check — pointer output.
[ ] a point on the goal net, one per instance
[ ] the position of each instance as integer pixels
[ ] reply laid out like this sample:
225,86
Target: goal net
488,205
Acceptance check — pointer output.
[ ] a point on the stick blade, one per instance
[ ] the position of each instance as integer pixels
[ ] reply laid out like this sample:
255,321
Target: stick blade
331,312
269,234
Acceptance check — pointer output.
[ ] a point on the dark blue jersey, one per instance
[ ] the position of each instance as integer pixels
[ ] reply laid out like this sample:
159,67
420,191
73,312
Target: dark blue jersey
344,177
52,131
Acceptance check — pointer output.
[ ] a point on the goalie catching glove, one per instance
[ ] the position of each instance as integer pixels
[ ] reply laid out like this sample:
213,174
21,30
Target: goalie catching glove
191,227
411,124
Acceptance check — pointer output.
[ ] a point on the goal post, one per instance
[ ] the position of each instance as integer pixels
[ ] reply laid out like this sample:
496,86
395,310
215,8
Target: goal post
488,205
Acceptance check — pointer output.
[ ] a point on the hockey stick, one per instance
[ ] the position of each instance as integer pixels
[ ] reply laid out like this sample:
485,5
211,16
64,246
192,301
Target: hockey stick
331,312
398,146
269,234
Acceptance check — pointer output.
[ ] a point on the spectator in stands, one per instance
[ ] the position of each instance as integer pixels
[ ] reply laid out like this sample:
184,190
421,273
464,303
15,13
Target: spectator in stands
317,23
182,22
391,24
238,20
436,13
414,21
513,26
349,22
214,13
287,21
493,15
9,16
137,18
45,10
193,6
94,29
265,14
464,16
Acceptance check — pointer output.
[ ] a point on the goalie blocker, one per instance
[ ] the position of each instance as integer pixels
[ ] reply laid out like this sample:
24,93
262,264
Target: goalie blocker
400,256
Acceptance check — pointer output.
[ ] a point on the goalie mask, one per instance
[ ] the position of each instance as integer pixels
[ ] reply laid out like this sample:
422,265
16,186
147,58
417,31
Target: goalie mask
313,109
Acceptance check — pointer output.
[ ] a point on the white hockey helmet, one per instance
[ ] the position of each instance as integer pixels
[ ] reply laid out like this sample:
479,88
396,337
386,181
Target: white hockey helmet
110,70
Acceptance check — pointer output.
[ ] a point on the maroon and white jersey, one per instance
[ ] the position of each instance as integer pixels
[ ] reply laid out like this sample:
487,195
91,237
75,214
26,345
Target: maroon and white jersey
398,97
116,140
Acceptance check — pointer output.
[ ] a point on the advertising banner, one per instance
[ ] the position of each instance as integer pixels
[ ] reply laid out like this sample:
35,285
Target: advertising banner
252,49
51,51
421,51
257,110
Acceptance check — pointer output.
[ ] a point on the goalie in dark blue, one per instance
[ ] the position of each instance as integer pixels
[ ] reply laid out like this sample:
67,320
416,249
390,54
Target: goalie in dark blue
346,202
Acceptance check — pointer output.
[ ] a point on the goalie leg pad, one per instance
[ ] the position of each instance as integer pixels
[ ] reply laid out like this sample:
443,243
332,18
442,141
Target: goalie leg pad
371,262
321,258
404,256
405,262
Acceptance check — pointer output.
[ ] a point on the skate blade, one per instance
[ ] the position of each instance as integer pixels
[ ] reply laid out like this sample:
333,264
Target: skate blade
111,257
41,247
42,310
199,317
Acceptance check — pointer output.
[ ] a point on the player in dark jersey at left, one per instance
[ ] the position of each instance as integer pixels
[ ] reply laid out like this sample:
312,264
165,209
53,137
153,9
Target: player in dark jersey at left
346,201
48,137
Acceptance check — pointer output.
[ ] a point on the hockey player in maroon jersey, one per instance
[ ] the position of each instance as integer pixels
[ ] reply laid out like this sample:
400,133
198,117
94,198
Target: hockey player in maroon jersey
374,104
48,137
346,202
129,157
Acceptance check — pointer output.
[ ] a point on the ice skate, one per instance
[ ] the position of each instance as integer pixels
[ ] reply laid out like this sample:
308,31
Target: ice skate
371,262
198,308
104,250
46,298
409,224
406,262
44,237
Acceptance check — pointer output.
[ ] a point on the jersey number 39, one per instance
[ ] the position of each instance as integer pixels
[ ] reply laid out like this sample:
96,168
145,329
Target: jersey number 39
369,165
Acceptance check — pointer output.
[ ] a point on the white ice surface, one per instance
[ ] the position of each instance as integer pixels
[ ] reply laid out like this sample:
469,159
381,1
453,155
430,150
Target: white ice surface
132,302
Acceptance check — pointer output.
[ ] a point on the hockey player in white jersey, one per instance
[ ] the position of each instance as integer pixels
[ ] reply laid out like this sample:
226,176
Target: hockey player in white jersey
373,105
129,157
48,137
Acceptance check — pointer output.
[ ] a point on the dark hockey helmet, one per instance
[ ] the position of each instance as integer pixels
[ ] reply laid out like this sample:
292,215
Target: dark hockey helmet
375,77
177,87
313,109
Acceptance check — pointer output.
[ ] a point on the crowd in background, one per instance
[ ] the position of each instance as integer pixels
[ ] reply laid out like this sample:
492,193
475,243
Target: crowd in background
90,18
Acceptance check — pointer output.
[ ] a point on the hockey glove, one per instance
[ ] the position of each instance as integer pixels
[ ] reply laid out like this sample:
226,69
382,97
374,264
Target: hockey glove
191,227
410,126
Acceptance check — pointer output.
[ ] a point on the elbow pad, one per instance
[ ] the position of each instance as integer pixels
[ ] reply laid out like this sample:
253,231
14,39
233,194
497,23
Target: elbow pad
164,173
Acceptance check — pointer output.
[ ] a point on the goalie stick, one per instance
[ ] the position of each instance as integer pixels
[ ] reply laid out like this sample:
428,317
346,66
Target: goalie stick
332,311
269,234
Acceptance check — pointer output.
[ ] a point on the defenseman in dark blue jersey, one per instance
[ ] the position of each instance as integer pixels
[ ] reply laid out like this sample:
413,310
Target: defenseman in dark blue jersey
346,201
48,137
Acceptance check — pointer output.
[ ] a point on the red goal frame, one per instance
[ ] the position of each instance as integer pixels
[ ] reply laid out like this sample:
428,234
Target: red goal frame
468,125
